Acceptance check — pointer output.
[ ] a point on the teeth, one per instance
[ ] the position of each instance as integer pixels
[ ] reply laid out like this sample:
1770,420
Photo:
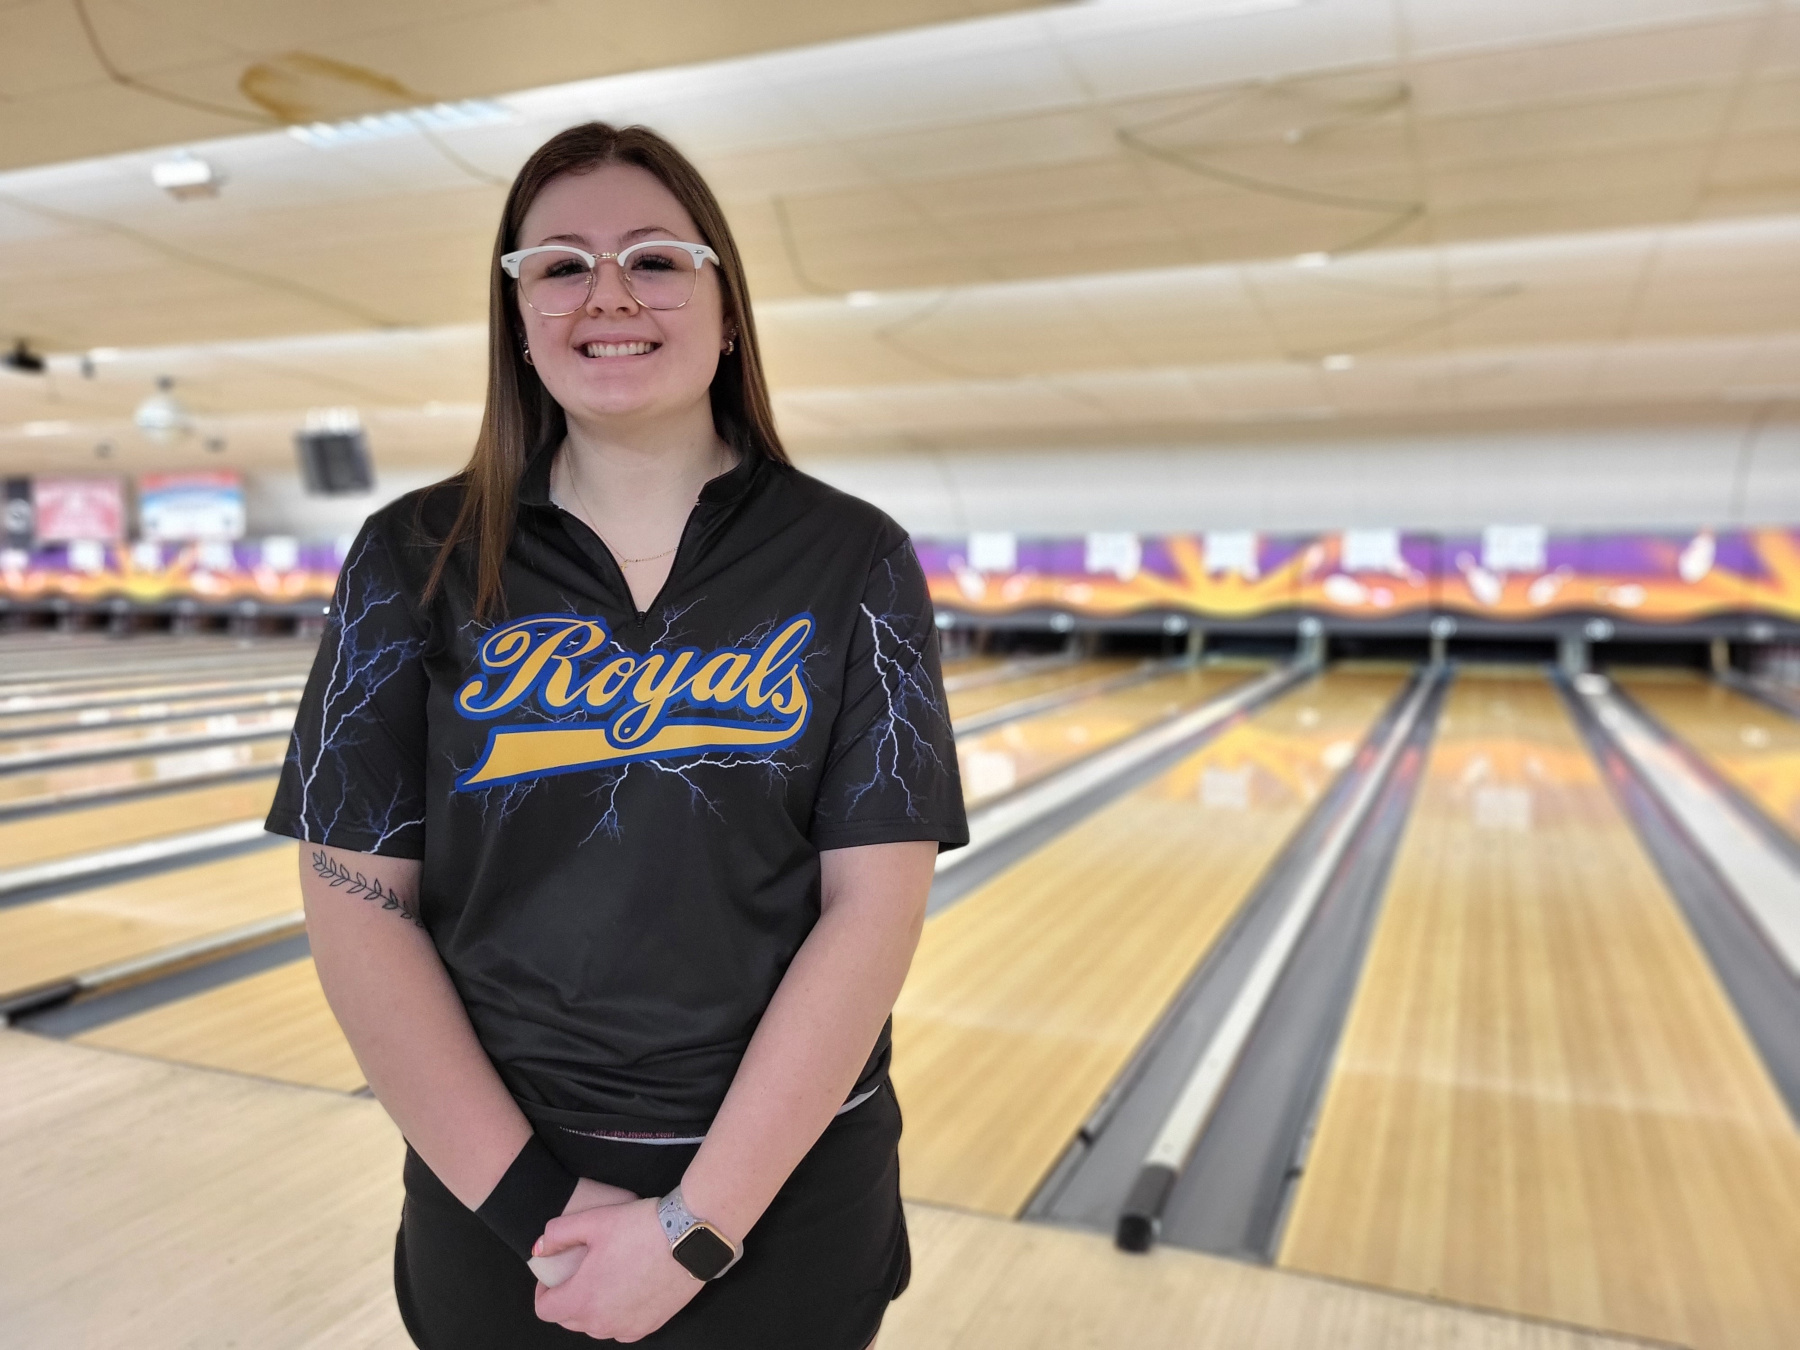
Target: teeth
619,348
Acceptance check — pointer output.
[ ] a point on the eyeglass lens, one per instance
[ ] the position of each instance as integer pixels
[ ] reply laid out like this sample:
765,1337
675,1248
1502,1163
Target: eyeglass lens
559,282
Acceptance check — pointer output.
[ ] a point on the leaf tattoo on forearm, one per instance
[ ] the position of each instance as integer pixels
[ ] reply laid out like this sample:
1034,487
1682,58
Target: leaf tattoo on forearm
342,878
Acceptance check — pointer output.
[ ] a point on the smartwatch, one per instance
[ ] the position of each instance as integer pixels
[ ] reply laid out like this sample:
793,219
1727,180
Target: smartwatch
703,1251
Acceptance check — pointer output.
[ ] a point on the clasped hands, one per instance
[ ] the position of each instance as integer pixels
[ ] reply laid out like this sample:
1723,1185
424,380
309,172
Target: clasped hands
627,1284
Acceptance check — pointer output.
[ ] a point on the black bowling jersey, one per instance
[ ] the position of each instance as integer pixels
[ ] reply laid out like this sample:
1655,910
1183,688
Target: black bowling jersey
620,815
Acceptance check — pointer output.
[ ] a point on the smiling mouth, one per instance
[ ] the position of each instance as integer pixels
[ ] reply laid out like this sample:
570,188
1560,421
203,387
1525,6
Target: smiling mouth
598,350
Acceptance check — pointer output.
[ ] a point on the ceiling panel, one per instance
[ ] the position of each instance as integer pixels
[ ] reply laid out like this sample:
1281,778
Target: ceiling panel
1073,222
199,69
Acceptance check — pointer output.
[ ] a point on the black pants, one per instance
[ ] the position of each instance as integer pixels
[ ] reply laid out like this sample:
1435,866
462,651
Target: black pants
818,1271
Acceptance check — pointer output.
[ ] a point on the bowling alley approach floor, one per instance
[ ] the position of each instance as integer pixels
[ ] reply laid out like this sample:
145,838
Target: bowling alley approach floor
159,1205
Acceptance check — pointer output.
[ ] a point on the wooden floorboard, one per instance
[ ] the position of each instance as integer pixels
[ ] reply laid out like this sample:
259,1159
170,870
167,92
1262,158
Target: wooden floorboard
985,697
275,1024
1544,1102
64,834
167,1208
1015,753
42,789
1028,997
1752,746
51,939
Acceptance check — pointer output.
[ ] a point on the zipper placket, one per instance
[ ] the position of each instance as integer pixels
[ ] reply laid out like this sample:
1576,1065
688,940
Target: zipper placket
618,572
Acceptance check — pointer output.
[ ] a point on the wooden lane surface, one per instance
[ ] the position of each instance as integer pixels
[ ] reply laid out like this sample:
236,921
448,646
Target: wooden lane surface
1543,1101
1028,997
51,939
124,676
1016,753
18,725
64,834
44,787
146,738
1751,745
228,1211
275,1024
984,697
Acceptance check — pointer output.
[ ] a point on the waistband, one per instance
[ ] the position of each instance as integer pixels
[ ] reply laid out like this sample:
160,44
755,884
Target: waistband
673,1138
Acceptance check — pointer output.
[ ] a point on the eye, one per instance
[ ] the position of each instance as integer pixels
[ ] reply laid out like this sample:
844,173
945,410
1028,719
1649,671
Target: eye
565,267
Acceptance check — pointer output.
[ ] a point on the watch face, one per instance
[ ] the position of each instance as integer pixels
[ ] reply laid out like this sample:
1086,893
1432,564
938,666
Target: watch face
703,1252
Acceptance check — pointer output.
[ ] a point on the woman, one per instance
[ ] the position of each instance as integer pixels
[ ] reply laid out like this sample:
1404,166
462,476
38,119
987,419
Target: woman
622,770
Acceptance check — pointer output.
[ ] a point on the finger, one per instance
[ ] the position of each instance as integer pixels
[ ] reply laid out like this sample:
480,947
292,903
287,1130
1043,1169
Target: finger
566,1231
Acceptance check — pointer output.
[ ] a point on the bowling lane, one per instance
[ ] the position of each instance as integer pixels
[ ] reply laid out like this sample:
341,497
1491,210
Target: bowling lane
47,940
58,697
64,834
1752,746
986,697
1028,997
997,761
21,725
146,738
72,784
1543,1101
274,1025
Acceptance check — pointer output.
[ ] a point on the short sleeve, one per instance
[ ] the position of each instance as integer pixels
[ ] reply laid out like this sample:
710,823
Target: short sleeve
355,771
890,772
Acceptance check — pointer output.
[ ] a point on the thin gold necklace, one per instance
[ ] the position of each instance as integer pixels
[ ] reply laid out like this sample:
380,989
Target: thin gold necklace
621,559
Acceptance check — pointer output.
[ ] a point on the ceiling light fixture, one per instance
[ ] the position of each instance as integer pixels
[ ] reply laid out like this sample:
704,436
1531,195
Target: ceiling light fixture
469,112
862,299
1312,260
162,416
49,428
1338,361
185,178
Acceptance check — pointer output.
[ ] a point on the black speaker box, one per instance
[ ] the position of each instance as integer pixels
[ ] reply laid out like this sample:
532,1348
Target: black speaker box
335,462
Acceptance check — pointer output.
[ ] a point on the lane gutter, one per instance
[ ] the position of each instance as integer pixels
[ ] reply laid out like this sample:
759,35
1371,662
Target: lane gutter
1761,985
1140,1217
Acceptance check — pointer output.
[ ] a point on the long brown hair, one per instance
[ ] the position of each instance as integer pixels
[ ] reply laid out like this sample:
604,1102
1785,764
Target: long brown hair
521,418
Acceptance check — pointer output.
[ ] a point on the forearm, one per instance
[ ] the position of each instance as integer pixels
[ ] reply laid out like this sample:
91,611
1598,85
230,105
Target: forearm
816,1035
405,1022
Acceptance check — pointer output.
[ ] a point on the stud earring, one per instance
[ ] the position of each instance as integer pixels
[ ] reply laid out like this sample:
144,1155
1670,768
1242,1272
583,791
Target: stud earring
528,360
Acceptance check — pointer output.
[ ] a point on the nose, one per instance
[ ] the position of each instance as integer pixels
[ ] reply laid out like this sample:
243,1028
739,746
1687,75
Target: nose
610,293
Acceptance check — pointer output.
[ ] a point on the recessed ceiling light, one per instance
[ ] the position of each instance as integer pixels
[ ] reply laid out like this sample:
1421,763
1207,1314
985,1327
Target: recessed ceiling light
469,112
185,178
1338,361
862,299
49,428
104,353
1312,260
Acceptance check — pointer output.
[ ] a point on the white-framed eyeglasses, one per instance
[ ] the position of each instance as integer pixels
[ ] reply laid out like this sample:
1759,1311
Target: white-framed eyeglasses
558,279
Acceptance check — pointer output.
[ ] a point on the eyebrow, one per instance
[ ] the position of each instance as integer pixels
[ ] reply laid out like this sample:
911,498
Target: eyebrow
646,231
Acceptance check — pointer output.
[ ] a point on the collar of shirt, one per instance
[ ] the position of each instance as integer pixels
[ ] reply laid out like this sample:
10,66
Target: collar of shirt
726,489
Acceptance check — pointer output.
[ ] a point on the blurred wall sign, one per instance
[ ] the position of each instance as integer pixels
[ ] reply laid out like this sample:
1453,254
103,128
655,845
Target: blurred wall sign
993,551
190,506
1115,552
1373,551
1514,548
17,528
1231,551
68,509
334,453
